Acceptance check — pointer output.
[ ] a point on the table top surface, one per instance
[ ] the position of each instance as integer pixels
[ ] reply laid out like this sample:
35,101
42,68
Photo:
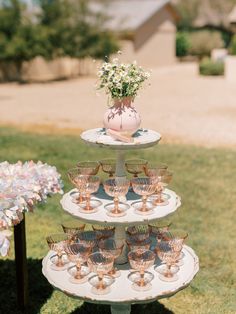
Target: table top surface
121,290
131,216
143,138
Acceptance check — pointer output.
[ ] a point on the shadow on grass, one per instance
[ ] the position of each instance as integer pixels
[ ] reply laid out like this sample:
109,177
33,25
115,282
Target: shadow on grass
39,289
150,308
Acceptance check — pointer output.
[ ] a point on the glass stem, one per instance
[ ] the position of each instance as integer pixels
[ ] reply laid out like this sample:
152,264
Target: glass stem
168,271
100,283
142,282
88,201
78,269
116,205
144,207
59,262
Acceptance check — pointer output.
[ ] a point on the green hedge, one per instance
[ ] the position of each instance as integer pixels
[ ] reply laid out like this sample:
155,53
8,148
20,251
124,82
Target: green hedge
182,44
211,68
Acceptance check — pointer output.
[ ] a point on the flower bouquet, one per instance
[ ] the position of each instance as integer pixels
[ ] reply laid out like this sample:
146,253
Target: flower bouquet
121,83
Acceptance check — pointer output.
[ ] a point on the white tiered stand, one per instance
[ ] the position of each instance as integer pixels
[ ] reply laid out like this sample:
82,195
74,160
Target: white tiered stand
122,295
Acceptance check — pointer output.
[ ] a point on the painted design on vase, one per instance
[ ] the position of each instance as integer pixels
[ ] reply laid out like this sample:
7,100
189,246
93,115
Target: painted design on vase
122,117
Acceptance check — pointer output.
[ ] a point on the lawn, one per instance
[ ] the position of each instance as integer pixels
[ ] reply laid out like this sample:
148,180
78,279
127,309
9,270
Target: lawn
204,178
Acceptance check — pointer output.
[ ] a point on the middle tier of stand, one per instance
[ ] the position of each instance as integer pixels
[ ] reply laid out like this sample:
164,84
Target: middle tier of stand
131,217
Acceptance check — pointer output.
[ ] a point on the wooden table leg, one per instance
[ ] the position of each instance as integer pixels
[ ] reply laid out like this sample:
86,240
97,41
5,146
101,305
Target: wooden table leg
21,264
121,309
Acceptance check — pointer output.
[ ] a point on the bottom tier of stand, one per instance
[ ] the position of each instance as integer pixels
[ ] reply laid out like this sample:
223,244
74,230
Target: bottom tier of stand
121,293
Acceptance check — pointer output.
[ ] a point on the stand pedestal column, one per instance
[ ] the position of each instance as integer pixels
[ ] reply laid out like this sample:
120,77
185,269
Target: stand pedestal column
121,309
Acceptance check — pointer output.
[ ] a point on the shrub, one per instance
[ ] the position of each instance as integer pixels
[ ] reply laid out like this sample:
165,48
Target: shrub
202,42
209,67
232,47
182,44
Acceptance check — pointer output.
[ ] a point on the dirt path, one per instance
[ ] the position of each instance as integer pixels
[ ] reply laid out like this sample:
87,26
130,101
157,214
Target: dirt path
179,104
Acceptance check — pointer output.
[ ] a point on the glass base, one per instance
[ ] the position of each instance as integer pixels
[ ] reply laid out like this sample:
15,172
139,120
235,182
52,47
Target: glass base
94,204
163,202
164,275
122,208
55,266
84,271
138,283
140,210
105,289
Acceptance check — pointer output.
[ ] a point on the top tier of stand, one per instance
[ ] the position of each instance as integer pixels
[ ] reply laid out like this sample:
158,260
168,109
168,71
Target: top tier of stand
143,138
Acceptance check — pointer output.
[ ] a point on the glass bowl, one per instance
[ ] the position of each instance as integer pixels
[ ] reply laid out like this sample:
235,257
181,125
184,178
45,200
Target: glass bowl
57,243
89,237
101,263
105,231
108,166
135,166
114,247
141,260
88,167
78,253
143,187
116,188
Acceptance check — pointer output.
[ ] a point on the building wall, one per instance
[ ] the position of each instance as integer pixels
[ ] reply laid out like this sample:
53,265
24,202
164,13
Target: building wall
154,41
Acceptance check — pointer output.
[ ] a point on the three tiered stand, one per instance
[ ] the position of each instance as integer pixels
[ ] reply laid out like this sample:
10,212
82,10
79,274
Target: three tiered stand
122,295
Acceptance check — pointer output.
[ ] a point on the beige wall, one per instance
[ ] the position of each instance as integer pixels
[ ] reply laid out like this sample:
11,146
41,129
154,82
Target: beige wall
154,43
41,70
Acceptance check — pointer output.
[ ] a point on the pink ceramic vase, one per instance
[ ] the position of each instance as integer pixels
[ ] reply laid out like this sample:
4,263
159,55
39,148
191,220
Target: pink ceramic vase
122,117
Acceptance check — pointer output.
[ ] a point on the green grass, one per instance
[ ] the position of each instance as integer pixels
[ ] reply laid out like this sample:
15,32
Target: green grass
204,178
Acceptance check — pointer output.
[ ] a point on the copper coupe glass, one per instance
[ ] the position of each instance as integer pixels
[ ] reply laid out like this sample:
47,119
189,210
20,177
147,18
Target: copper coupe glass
89,237
138,233
77,179
101,263
162,181
89,168
78,254
176,238
144,187
57,243
113,247
134,244
72,230
168,270
108,166
89,185
116,188
135,166
105,231
140,260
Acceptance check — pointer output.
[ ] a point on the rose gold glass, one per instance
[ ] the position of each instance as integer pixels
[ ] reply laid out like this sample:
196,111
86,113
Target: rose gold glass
167,255
90,185
144,187
89,168
57,243
78,254
116,188
134,244
78,180
138,233
89,237
162,181
151,170
108,166
101,263
72,230
176,238
159,230
105,231
135,166
140,260
113,247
